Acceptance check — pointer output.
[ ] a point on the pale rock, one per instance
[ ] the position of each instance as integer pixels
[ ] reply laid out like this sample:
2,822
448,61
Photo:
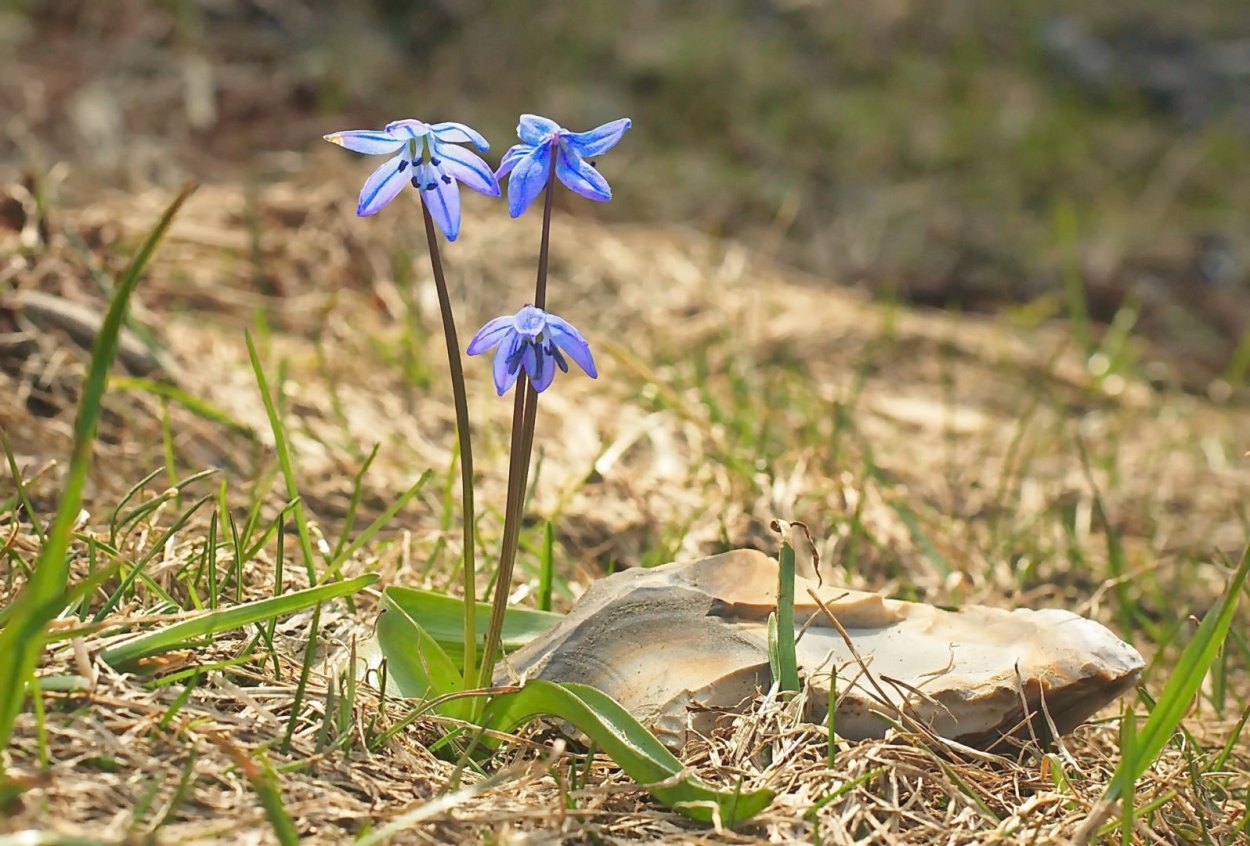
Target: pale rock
663,639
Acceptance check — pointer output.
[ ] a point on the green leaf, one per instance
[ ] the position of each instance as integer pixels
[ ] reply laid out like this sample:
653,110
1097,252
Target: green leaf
442,617
225,619
635,750
43,596
1182,685
415,663
787,663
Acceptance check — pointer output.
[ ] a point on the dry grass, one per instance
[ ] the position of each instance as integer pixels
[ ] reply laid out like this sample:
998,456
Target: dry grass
937,456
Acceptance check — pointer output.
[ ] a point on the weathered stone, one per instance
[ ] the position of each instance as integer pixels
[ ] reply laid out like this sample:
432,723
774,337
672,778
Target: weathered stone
663,639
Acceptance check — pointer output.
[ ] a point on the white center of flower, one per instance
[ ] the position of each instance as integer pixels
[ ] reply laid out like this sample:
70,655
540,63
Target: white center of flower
530,321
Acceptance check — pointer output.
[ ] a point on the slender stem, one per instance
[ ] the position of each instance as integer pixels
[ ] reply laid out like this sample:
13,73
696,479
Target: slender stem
524,417
527,430
466,449
513,510
540,287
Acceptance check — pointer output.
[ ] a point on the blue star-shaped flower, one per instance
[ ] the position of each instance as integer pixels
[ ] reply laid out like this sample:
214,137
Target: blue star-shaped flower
530,161
428,158
536,340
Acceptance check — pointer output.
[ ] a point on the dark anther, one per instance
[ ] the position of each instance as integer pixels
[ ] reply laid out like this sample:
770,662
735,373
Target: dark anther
403,165
554,352
416,181
430,186
514,360
594,165
446,179
435,161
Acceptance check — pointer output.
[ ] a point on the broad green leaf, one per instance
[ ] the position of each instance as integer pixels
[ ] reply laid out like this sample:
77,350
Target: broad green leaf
1181,687
415,663
233,617
43,596
442,617
635,750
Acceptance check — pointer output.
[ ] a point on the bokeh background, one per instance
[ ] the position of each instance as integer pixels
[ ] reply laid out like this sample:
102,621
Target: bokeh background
1035,159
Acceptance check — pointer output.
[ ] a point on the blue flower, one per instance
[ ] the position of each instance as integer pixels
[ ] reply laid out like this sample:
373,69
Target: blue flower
536,340
426,156
530,161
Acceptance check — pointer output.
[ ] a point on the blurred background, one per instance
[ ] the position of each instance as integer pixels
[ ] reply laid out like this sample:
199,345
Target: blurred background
1037,160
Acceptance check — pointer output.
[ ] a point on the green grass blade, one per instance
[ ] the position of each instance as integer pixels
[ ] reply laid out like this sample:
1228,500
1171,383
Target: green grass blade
442,617
635,750
199,407
23,496
1183,684
137,570
353,505
842,790
21,640
265,782
831,724
921,538
376,526
787,663
1068,241
284,460
225,619
1130,755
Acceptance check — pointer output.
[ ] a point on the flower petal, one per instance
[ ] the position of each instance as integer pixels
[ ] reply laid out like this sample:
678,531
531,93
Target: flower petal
408,129
457,133
581,177
534,130
441,195
491,333
571,341
505,376
382,186
545,366
371,142
511,158
598,140
469,168
527,179
529,359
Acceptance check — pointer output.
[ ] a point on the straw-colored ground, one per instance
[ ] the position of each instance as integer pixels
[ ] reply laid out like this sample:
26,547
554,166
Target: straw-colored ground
948,458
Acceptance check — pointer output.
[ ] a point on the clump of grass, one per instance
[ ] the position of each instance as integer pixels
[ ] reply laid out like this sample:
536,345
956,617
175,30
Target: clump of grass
43,597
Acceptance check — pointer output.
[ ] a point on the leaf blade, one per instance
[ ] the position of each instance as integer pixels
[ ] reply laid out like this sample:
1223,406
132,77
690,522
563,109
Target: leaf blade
233,617
634,749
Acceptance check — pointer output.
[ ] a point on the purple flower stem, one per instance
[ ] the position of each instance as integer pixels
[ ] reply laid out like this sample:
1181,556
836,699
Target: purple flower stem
460,396
524,417
540,287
